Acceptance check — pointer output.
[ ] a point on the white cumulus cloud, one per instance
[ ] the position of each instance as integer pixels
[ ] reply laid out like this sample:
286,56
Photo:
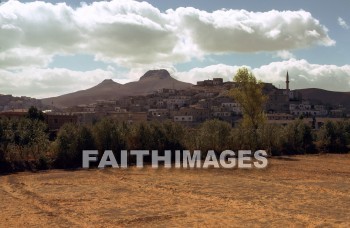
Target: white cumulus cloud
306,75
137,34
214,71
285,54
226,31
302,74
42,83
343,23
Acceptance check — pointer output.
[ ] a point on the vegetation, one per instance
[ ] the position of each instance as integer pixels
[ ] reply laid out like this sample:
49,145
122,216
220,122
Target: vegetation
24,144
250,96
71,141
297,138
35,114
214,135
334,137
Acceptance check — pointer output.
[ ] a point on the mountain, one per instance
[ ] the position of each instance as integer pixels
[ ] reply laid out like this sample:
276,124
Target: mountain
9,102
107,89
155,74
326,97
151,81
154,80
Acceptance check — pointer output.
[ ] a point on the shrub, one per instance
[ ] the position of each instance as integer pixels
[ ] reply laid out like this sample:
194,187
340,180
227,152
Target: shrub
22,143
271,138
297,138
71,141
109,134
334,137
214,135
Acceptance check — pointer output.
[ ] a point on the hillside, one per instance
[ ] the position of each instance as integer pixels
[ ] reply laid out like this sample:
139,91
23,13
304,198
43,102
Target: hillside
108,89
326,97
9,102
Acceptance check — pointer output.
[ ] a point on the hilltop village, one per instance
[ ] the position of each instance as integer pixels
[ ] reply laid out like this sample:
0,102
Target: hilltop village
208,99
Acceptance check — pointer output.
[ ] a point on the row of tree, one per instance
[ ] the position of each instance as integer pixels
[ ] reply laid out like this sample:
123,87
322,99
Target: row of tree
24,143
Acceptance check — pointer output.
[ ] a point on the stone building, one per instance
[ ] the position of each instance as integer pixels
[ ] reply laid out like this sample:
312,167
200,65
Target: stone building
56,120
129,117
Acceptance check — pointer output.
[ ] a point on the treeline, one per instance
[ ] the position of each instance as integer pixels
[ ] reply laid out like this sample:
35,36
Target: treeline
25,144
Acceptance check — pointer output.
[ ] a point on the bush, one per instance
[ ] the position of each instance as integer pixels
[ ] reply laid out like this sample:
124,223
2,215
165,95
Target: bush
23,143
297,138
271,138
141,137
214,135
174,136
156,136
109,134
334,137
70,143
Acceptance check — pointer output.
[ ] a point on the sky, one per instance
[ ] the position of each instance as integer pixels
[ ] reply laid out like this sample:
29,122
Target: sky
56,47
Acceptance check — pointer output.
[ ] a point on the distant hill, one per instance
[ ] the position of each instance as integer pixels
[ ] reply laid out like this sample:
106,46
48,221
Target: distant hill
154,80
151,81
327,97
9,102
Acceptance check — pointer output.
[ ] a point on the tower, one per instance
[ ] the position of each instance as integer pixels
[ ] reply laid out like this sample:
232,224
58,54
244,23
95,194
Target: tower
287,82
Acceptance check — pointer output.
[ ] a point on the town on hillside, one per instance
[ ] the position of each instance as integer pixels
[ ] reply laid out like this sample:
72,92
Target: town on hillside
208,99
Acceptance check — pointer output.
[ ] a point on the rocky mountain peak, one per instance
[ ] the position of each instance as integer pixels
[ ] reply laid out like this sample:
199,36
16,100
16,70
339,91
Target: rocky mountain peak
107,82
155,74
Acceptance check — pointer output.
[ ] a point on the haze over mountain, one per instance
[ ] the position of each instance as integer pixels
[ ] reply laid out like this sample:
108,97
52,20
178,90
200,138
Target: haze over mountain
151,81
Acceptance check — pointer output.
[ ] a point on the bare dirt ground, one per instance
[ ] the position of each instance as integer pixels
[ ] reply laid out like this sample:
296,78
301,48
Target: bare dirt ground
298,191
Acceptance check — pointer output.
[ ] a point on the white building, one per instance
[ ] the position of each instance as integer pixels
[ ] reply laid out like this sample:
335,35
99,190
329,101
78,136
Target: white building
305,108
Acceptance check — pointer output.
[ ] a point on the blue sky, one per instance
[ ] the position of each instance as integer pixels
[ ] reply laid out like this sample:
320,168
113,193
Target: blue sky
52,49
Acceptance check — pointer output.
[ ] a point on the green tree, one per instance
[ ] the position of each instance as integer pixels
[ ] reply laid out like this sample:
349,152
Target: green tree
23,141
190,139
66,146
174,134
298,138
35,114
214,135
334,137
70,143
85,140
248,92
270,138
141,137
3,139
110,134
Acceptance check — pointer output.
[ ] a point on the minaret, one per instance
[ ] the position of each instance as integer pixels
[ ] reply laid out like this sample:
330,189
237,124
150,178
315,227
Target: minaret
287,82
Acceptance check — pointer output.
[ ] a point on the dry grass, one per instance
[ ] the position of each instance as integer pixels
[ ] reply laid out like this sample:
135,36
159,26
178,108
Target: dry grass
303,190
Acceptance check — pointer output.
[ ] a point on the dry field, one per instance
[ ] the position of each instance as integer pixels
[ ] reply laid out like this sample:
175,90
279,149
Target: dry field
297,191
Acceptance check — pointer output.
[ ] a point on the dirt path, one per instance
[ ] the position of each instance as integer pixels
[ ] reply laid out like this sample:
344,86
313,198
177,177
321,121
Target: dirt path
302,191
